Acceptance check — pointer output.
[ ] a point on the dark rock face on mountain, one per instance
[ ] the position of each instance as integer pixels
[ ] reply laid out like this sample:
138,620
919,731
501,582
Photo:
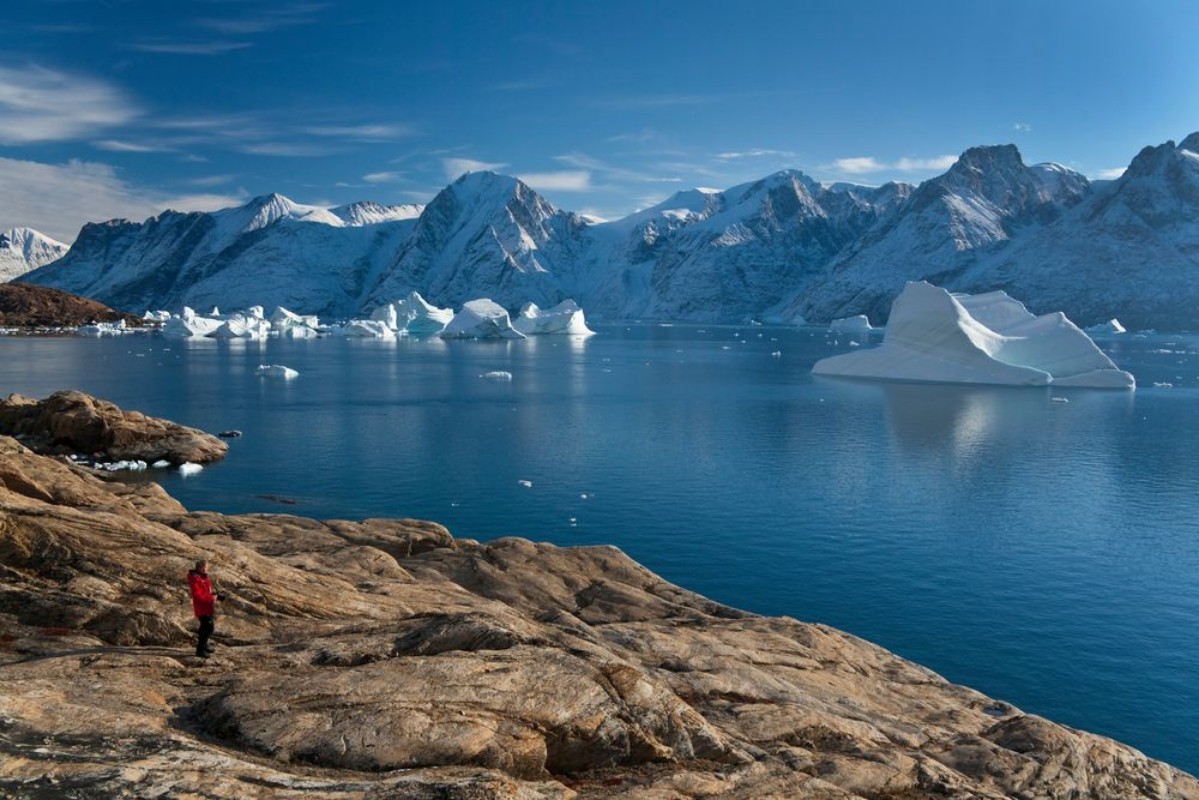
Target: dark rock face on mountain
71,422
23,305
784,247
388,659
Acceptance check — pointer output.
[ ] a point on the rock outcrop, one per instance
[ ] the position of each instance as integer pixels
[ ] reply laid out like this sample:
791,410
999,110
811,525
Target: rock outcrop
23,305
74,423
388,659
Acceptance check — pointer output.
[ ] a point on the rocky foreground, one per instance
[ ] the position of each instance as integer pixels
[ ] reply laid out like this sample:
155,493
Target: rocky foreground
387,659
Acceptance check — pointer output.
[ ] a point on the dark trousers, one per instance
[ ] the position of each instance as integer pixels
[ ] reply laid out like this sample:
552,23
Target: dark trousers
206,627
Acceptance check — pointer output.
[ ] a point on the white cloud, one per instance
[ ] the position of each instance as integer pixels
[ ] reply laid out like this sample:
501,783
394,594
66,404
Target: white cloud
43,105
58,199
1022,127
283,150
859,165
939,163
561,181
267,19
119,146
756,152
455,168
1110,174
382,177
189,48
862,165
363,133
212,180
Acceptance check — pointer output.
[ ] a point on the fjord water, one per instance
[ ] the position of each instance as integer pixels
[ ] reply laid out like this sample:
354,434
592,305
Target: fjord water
1040,545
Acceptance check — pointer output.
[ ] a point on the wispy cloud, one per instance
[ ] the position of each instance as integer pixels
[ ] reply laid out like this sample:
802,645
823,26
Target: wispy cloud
58,199
1022,127
212,180
120,146
633,102
262,20
611,171
1110,174
189,48
457,167
864,165
44,105
383,177
643,136
757,152
561,181
370,132
284,149
526,84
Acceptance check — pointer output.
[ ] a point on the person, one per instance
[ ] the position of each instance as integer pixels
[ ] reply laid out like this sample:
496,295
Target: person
203,604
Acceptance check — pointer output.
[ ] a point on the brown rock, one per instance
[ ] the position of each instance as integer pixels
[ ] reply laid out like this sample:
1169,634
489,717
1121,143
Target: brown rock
72,422
386,659
23,305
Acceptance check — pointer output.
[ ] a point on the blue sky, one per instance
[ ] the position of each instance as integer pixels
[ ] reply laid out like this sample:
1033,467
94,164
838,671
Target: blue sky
125,108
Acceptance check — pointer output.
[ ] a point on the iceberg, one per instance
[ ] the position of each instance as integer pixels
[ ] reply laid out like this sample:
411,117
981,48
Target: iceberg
188,324
564,318
497,375
243,326
98,329
276,371
365,329
156,316
1109,328
481,319
856,324
292,325
187,468
933,336
414,315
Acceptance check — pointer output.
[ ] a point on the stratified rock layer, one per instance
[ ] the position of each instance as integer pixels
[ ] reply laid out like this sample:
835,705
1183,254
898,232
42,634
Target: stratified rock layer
71,422
386,659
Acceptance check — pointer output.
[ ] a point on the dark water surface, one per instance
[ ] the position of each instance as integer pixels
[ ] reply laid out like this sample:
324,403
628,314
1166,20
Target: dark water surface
1043,552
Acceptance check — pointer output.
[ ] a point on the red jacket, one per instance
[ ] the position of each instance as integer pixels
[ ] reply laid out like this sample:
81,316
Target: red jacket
202,594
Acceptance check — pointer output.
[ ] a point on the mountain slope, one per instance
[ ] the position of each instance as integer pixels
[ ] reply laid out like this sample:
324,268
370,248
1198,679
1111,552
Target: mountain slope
947,224
24,249
269,252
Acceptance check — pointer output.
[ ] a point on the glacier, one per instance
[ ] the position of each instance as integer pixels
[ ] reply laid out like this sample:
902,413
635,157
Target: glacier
934,336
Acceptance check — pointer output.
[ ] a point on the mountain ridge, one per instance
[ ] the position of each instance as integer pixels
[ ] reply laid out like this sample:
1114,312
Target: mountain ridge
784,247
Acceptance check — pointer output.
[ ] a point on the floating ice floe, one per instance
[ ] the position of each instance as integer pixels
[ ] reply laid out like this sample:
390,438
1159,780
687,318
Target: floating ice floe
856,324
102,329
481,319
243,326
188,468
161,463
190,324
123,466
156,316
364,329
291,325
1109,328
497,375
414,315
525,483
933,336
564,318
276,371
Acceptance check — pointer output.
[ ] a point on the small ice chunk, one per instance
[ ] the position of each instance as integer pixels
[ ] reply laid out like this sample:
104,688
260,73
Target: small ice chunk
188,468
276,371
161,463
497,375
856,324
1060,399
777,354
525,483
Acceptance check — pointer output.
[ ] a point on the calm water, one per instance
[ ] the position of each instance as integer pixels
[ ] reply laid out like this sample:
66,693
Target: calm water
1043,552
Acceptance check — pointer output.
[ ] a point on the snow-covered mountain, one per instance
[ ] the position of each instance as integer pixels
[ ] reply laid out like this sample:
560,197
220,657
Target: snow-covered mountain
270,252
781,247
486,235
947,225
24,249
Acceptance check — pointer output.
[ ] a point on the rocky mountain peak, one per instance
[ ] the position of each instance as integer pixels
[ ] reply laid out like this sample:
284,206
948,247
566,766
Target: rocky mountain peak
1190,143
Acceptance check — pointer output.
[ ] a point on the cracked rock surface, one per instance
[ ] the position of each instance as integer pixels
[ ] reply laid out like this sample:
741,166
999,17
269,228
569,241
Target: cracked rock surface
388,659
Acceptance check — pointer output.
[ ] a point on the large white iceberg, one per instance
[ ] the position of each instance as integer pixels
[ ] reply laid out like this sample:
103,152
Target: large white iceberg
481,319
933,336
413,315
189,323
857,324
292,325
564,318
243,326
365,329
